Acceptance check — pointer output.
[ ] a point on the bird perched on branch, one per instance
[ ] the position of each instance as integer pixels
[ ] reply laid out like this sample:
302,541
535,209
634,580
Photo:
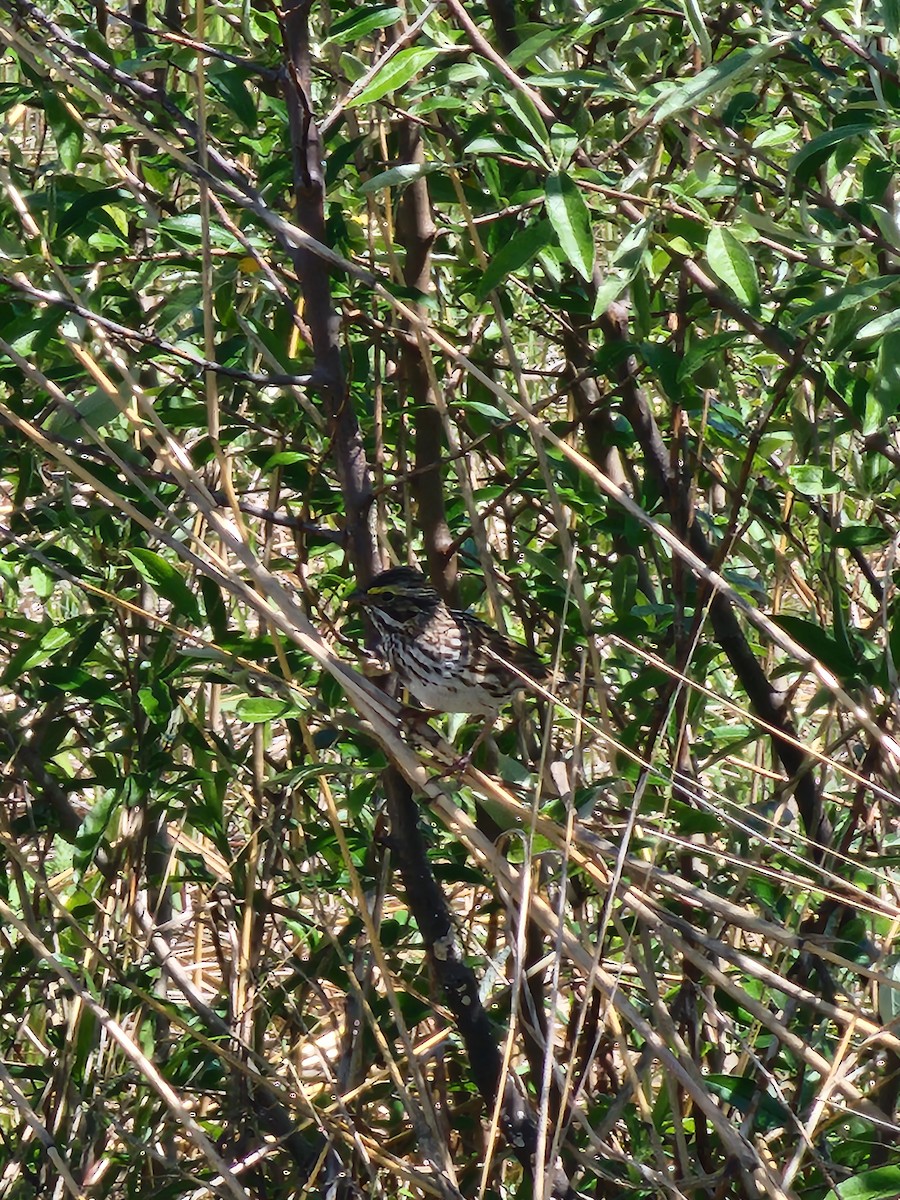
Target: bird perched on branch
448,659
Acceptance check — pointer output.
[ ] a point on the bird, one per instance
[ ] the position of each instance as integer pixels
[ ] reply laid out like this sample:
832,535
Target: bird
448,659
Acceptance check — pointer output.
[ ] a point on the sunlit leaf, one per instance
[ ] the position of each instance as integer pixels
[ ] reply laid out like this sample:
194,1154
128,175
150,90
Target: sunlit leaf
847,297
730,260
395,74
813,480
360,21
571,220
166,579
817,151
519,251
697,25
884,390
879,326
525,111
256,709
881,1183
714,79
398,176
67,131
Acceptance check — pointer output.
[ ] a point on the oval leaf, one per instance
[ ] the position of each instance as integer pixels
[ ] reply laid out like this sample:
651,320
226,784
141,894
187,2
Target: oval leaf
256,709
811,480
881,1183
881,325
518,252
571,220
399,71
697,25
405,173
820,149
714,79
729,259
848,297
167,580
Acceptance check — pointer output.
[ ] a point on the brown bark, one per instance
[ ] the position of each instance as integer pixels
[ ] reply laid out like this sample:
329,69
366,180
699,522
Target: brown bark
415,232
427,901
765,699
460,985
319,310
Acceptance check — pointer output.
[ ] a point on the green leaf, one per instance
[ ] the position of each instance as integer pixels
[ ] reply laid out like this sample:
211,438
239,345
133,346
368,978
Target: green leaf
12,94
886,323
231,85
83,212
256,709
808,160
571,220
406,173
626,262
167,580
881,1183
92,411
42,582
812,480
821,644
491,411
780,134
596,81
859,536
361,21
889,992
525,111
67,132
697,26
532,46
284,458
156,701
713,79
522,248
890,15
36,651
399,71
187,231
847,297
600,16
742,1092
95,824
884,392
216,612
729,259
692,820
563,144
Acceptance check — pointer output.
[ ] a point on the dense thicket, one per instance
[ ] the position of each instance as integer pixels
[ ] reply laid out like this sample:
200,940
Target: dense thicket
589,311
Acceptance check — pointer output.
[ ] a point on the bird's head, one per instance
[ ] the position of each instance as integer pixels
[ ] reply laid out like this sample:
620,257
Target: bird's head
397,596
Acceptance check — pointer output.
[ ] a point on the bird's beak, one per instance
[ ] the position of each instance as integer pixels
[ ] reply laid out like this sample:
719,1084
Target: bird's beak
359,598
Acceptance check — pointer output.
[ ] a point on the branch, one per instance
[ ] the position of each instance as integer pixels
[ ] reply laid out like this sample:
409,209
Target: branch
459,985
319,310
765,699
415,231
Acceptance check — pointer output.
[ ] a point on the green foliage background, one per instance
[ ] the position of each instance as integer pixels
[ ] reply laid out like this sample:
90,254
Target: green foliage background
620,281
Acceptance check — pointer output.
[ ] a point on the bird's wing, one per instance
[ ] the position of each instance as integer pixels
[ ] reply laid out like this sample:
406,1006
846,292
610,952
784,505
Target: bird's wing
505,650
